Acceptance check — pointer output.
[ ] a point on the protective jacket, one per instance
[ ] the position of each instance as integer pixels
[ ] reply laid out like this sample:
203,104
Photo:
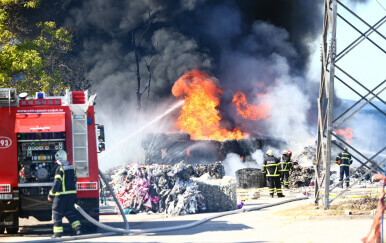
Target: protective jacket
64,193
271,166
285,163
343,159
65,180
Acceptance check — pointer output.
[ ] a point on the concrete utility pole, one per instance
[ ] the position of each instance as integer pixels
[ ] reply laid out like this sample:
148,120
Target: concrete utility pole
326,121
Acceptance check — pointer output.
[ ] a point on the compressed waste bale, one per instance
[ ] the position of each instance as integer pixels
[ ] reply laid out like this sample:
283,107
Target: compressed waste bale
229,146
219,194
172,189
203,151
175,151
250,178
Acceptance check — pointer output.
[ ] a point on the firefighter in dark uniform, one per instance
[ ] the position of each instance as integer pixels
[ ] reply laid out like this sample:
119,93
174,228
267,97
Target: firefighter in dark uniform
344,160
63,193
285,167
271,170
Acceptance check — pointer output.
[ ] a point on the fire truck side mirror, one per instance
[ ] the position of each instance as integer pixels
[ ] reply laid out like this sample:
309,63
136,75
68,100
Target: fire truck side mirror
101,147
101,133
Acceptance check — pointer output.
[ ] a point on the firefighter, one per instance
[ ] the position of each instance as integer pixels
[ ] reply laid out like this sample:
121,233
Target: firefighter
344,161
271,170
285,167
63,194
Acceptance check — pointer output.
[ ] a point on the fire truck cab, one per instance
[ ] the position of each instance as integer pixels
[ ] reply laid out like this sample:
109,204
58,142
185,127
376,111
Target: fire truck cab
32,130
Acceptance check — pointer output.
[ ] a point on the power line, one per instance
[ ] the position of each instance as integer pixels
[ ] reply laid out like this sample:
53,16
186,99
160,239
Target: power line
381,5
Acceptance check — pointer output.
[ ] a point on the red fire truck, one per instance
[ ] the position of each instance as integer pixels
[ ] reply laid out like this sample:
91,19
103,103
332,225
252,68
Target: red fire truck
32,130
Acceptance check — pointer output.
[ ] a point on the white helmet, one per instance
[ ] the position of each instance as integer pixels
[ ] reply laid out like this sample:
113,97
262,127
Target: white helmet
285,152
269,153
61,155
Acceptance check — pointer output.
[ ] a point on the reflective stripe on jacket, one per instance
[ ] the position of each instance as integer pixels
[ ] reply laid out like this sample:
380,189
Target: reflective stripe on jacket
285,163
345,159
271,166
65,180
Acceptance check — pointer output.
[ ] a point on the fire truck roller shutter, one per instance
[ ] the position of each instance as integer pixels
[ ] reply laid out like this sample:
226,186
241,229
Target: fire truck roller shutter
40,122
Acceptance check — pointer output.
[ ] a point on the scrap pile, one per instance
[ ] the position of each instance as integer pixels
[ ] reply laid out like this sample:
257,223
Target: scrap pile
219,195
215,170
250,178
172,190
301,176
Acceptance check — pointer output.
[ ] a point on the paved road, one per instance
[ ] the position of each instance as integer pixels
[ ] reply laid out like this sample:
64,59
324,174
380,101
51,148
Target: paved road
255,226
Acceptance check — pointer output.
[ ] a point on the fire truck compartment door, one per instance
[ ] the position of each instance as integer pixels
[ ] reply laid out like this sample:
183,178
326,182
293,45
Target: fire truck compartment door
40,122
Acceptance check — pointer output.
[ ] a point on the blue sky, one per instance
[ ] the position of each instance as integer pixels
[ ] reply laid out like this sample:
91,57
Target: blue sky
365,62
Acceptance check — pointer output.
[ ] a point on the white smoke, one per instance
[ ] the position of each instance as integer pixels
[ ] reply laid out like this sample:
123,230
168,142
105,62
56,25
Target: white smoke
124,132
233,162
258,156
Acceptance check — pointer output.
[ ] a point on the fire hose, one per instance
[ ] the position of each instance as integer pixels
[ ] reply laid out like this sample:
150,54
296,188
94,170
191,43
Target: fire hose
117,231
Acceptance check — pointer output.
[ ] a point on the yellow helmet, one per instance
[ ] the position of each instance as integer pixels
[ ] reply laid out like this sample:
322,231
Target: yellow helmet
269,153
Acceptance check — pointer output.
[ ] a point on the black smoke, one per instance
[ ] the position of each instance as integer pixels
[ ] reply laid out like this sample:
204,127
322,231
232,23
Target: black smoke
252,46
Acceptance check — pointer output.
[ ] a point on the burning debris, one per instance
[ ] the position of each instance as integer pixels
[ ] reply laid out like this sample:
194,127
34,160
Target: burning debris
346,133
170,148
247,111
199,115
172,190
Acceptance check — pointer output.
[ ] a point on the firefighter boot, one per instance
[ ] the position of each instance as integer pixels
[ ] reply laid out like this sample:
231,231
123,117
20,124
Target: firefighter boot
286,186
78,230
271,194
347,184
280,195
56,235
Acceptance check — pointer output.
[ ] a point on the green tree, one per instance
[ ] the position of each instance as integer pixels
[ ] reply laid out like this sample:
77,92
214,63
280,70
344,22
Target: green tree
33,64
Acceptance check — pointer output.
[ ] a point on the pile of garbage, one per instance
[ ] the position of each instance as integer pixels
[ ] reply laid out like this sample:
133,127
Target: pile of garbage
215,170
250,178
219,195
301,176
173,189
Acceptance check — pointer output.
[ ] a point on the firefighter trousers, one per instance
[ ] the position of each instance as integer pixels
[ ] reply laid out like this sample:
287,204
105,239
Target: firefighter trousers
63,205
274,183
344,170
285,178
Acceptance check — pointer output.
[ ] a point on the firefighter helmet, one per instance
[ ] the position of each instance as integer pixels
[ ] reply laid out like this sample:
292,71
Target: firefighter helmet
289,153
61,155
285,152
269,153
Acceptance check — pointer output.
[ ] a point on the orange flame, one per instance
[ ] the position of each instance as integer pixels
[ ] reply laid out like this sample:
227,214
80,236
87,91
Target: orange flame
347,134
199,115
247,111
187,153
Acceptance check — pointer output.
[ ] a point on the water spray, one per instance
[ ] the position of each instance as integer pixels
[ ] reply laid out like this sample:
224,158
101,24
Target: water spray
175,106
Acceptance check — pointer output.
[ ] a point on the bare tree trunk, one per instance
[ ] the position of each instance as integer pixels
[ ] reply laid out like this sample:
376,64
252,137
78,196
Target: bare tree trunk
139,93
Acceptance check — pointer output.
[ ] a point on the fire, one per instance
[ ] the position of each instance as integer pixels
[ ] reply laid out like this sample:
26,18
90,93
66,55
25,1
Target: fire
347,133
247,111
199,115
187,153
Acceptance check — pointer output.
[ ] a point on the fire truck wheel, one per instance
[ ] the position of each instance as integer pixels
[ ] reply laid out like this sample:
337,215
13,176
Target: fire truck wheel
14,228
